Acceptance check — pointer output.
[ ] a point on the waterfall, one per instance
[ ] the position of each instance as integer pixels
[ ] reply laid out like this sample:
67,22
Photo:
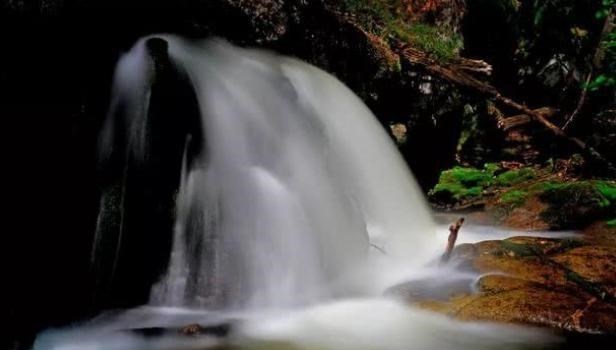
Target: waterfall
294,182
294,213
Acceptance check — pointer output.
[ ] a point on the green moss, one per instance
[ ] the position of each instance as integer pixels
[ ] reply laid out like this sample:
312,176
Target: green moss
470,176
447,191
443,46
514,198
570,204
397,66
491,168
387,18
463,183
514,177
611,223
546,186
607,190
603,192
576,204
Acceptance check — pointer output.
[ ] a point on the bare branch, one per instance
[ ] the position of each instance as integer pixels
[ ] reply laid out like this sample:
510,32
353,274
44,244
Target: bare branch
581,101
451,240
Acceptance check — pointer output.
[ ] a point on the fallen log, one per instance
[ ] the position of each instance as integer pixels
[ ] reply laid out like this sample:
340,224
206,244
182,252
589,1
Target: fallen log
507,123
459,71
460,77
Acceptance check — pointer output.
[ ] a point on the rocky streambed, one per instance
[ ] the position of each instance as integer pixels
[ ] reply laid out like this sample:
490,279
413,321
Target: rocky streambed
569,284
566,283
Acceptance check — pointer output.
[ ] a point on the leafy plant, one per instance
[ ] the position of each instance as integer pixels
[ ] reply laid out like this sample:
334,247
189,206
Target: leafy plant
390,19
607,6
607,78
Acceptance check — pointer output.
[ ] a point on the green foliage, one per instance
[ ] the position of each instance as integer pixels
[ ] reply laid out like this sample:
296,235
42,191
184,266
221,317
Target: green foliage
611,223
386,18
607,190
491,168
606,78
604,192
514,177
514,198
600,81
606,6
429,39
556,41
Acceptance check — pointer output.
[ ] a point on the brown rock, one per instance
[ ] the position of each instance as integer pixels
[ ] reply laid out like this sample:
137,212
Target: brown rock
601,234
492,284
536,305
558,283
513,300
528,216
593,263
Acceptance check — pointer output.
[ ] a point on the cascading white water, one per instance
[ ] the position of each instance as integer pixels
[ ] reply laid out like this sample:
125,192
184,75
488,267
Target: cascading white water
276,217
296,179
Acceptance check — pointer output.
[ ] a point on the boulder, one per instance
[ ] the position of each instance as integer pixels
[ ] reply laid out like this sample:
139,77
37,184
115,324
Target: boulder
563,284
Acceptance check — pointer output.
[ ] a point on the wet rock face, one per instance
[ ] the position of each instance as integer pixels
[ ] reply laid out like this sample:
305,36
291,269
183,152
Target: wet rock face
558,283
138,208
518,301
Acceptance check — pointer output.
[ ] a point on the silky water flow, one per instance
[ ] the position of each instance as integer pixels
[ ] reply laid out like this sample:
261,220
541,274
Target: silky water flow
294,218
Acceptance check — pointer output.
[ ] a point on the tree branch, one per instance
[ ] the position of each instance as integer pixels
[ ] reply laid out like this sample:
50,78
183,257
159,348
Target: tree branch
581,101
457,76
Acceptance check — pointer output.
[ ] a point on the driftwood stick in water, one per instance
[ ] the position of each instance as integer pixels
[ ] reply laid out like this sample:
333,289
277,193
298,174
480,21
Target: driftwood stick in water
453,236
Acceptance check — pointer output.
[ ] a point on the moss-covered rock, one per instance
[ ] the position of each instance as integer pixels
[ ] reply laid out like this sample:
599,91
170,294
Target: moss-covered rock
577,204
461,184
515,176
514,198
528,197
465,178
558,283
